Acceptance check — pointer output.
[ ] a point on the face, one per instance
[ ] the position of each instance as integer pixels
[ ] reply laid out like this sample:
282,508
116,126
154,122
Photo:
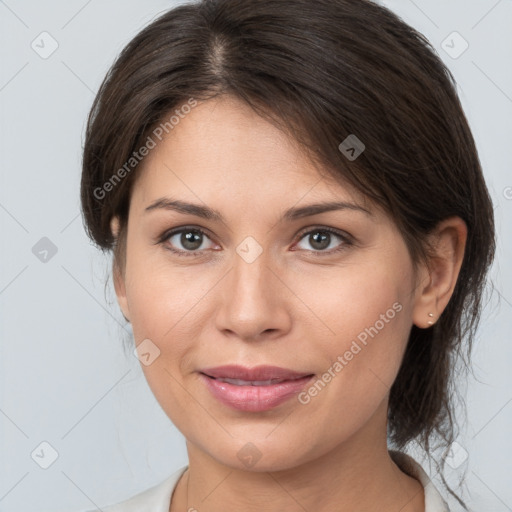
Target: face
325,293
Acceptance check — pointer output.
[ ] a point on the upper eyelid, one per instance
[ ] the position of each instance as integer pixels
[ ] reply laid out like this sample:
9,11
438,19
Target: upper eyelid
333,231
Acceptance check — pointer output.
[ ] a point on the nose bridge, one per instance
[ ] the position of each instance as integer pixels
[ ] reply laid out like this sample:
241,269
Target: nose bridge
251,276
252,301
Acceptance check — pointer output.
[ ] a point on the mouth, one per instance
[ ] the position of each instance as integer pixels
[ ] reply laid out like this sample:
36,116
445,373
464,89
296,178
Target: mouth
242,382
263,375
245,389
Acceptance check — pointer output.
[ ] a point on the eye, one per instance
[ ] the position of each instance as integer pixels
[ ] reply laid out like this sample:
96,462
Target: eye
322,238
191,241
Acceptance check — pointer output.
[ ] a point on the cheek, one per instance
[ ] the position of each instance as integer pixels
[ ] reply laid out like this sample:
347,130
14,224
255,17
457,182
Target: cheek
162,298
161,308
365,313
164,307
348,300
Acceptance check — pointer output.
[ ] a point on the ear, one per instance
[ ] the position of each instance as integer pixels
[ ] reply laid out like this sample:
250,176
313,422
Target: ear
438,281
117,274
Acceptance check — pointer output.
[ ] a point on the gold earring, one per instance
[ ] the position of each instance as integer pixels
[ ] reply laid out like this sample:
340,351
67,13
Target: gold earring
430,322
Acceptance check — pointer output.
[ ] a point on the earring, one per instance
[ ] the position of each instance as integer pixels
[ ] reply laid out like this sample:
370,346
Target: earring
430,322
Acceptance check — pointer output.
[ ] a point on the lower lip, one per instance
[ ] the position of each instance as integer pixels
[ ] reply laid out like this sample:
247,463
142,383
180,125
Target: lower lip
254,398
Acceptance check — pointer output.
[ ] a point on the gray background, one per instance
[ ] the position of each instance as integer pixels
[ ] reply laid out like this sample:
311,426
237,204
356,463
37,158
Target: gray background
65,378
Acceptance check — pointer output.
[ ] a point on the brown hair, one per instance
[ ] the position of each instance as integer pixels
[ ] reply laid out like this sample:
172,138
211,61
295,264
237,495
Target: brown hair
321,71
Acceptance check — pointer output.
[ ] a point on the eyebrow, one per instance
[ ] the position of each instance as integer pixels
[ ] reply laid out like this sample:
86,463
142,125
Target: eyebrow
291,214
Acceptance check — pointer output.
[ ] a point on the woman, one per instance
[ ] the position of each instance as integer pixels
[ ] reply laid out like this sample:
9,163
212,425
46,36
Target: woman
301,234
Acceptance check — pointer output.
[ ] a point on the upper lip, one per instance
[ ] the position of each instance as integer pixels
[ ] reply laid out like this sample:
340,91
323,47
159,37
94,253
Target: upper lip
257,373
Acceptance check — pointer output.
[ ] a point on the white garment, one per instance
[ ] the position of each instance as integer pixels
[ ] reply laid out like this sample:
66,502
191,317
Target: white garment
158,497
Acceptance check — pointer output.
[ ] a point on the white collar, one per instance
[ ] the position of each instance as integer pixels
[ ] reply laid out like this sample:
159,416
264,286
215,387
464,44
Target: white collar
433,499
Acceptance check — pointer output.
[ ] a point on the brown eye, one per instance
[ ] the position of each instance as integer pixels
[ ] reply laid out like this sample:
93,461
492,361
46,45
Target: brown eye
185,241
321,239
191,240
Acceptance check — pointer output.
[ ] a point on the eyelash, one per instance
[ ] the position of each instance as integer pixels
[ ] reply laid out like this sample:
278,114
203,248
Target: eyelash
346,239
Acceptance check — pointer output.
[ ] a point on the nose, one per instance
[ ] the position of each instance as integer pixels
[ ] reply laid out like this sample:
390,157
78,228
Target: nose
254,301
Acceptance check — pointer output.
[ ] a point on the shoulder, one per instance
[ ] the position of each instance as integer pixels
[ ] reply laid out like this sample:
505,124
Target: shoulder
154,499
434,502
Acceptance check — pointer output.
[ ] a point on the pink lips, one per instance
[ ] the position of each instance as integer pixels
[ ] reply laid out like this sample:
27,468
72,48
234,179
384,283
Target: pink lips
256,395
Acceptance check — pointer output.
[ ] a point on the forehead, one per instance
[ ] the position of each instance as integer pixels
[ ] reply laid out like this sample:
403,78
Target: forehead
224,150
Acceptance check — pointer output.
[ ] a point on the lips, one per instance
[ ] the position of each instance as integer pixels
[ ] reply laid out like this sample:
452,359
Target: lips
258,376
253,389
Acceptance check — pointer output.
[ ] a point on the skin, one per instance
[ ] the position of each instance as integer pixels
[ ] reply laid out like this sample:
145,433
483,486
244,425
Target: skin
297,306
